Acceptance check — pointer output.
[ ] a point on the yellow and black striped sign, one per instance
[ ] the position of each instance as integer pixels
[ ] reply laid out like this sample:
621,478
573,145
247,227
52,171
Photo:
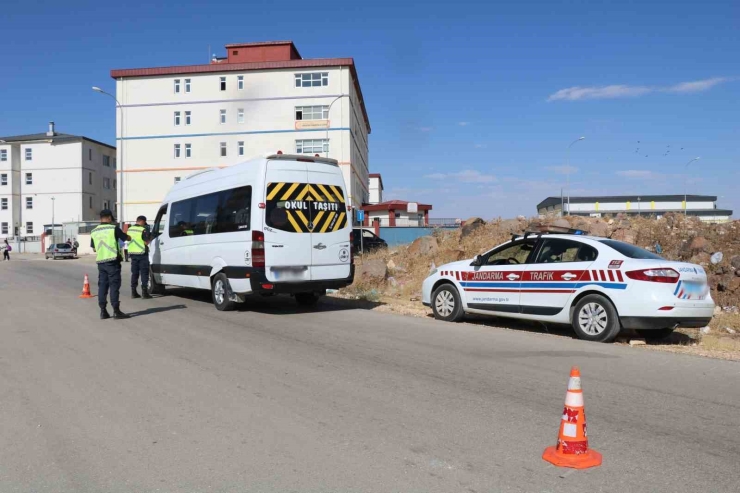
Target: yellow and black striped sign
305,207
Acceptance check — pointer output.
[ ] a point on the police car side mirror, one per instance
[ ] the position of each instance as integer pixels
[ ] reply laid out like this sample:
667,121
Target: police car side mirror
477,261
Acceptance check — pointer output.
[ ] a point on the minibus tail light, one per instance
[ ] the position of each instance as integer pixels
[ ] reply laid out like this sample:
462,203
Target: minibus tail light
258,249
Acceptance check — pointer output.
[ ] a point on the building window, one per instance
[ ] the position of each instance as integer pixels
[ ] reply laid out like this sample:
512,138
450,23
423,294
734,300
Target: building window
89,154
240,82
4,228
223,149
315,79
312,112
311,146
29,202
187,151
29,154
177,150
3,179
177,179
90,197
187,118
29,178
222,117
106,161
89,177
240,148
106,185
3,154
240,115
223,83
187,85
29,228
4,204
177,118
177,86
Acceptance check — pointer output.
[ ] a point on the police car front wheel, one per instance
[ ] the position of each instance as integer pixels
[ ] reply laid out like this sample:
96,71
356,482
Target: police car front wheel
446,304
596,319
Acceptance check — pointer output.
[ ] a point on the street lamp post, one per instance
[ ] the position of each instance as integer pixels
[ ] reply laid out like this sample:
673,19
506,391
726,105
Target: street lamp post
685,186
120,178
328,112
567,173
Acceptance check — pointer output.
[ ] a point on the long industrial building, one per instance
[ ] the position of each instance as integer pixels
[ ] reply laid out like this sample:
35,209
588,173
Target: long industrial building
260,98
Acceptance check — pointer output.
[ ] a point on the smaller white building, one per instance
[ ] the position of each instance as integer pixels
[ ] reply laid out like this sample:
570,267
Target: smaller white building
702,206
375,188
53,176
397,214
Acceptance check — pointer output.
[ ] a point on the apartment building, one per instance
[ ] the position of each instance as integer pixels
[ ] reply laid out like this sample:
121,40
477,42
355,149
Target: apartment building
53,175
258,99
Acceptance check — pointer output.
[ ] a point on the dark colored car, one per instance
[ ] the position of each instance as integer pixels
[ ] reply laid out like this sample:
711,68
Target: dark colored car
370,241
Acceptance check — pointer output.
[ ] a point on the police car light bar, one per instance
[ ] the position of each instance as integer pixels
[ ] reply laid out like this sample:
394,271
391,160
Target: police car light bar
550,229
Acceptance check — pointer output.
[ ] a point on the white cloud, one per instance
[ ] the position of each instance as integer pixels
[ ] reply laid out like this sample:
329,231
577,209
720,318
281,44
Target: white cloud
697,86
577,93
463,124
562,170
464,176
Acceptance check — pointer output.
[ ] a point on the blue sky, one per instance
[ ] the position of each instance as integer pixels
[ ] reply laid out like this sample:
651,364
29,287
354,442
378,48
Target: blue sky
472,104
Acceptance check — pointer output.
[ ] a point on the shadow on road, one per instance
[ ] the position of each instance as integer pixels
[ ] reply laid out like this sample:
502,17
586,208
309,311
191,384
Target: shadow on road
151,311
276,304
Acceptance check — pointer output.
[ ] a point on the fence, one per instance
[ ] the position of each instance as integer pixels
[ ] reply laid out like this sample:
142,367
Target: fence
403,222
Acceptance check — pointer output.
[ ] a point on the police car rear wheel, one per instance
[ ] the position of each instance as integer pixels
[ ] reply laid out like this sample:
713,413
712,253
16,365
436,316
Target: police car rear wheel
595,319
446,304
220,291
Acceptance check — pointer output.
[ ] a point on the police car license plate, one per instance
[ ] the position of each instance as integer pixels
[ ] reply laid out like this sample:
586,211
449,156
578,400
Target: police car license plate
289,273
692,290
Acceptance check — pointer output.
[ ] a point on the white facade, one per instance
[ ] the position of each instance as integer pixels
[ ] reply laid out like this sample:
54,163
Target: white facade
376,189
66,177
179,123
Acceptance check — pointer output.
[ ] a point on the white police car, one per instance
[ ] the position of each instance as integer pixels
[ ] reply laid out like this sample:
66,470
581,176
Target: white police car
597,285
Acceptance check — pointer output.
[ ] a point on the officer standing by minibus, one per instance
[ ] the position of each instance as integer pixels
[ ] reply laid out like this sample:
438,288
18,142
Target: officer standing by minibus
139,251
104,241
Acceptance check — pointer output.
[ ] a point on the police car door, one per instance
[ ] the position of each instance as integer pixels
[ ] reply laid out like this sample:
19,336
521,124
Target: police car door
554,275
494,286
287,236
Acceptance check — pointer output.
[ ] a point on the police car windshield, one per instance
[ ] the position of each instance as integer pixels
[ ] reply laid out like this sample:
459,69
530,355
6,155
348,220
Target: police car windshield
631,251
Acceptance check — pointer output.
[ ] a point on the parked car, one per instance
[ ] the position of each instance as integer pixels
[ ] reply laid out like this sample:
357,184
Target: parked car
60,250
597,285
370,241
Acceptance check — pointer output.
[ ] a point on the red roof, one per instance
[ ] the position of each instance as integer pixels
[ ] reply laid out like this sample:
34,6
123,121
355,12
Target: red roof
393,205
247,66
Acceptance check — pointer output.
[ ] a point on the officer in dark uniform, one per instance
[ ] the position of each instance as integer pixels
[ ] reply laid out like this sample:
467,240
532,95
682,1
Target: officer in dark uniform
104,241
138,249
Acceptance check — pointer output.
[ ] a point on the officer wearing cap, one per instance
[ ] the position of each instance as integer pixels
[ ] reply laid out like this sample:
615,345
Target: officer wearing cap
104,241
139,252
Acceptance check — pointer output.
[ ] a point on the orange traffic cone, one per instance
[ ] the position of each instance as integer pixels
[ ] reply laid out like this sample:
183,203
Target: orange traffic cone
86,289
572,448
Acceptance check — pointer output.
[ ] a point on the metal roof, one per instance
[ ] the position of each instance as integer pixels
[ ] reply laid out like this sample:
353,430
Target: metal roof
57,138
552,201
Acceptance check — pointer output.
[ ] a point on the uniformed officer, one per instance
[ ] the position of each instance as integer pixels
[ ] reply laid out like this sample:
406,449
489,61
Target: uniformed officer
138,249
104,241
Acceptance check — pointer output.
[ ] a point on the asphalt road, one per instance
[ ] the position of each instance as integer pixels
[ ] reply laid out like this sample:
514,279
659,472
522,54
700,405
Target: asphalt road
271,398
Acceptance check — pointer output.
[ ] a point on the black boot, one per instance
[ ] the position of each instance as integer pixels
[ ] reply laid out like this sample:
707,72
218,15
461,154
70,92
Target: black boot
104,315
134,294
118,314
145,293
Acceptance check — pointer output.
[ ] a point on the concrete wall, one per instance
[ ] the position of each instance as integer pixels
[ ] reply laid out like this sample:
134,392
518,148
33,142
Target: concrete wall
269,99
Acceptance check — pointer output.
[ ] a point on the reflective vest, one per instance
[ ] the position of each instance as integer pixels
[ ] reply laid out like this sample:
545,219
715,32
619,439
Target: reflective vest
106,245
136,246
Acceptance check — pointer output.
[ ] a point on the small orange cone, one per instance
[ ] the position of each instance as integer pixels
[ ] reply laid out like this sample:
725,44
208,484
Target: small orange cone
86,289
572,448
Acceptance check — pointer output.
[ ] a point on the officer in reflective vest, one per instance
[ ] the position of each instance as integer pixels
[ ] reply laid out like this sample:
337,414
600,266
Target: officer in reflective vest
139,252
104,240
